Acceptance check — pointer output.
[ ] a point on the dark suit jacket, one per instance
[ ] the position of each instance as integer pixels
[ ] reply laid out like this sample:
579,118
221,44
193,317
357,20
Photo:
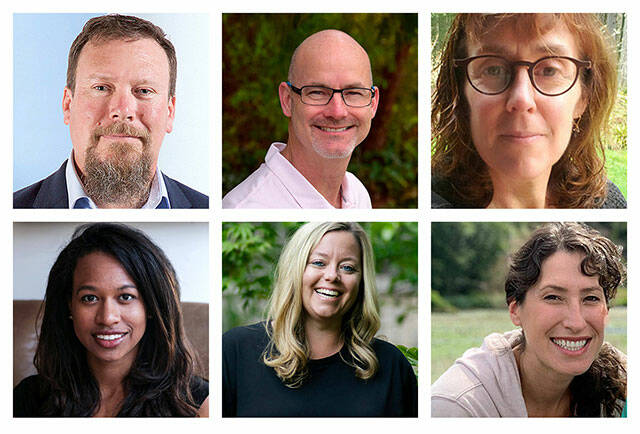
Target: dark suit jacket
51,192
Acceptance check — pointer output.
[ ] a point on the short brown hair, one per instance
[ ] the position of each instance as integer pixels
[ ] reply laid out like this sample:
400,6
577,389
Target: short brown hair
114,26
578,179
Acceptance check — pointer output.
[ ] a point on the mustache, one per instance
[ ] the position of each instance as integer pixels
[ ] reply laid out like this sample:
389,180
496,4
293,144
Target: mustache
124,129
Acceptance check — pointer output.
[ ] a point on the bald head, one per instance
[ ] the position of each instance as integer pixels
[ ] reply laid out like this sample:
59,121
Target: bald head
332,49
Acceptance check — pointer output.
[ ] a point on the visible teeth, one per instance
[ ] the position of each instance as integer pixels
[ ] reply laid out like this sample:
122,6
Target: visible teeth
333,130
110,337
327,292
570,345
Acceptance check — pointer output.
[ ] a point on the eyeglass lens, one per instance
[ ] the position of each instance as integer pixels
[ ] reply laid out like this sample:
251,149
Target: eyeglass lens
317,95
494,74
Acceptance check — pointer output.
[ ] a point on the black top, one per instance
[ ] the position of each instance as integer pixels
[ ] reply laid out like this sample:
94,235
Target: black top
250,388
32,392
443,195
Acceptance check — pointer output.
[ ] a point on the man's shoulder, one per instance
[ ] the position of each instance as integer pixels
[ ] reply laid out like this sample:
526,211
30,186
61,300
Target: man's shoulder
355,192
182,196
261,189
50,192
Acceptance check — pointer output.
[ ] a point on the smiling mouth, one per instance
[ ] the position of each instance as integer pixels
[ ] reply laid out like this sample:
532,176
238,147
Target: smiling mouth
573,345
110,340
332,130
110,337
325,292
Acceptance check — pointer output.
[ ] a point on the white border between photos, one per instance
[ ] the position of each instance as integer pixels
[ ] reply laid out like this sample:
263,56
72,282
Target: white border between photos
424,215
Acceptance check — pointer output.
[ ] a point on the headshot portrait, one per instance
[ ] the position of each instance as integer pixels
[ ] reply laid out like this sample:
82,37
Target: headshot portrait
319,110
111,320
328,331
124,103
529,111
528,319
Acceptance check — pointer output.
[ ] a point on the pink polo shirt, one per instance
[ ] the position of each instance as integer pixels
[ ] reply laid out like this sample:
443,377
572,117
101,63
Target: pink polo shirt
277,184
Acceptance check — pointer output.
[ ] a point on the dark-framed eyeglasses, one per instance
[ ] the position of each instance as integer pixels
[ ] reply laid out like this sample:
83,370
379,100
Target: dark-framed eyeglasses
550,75
321,95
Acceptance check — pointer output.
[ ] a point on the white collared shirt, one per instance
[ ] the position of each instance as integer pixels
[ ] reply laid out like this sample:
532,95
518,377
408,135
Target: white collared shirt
75,190
277,184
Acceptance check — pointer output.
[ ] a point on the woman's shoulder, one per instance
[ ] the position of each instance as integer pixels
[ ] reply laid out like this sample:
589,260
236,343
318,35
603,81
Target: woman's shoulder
614,197
251,337
199,389
28,396
483,382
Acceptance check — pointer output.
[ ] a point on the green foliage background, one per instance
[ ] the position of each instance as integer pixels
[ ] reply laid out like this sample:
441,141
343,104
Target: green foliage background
250,252
256,52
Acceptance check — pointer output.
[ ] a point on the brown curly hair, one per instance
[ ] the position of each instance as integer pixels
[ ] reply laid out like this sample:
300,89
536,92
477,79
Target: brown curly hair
578,179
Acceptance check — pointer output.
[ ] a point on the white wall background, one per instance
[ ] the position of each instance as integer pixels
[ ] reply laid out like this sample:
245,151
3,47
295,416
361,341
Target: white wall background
41,141
37,245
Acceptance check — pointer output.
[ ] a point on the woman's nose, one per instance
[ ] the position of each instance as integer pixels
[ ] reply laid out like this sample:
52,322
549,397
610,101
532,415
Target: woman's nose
521,93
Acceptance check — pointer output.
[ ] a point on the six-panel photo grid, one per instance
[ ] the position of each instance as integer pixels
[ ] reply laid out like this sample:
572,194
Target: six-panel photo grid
352,217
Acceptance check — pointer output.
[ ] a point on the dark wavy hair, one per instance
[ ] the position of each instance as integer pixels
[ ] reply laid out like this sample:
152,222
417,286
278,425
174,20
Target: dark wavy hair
160,377
115,26
603,387
578,179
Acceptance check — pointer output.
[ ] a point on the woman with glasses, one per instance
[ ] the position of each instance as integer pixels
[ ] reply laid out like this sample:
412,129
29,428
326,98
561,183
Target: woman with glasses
316,355
559,288
518,111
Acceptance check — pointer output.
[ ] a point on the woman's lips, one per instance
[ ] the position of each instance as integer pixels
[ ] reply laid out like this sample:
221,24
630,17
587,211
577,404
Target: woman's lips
572,346
109,339
521,137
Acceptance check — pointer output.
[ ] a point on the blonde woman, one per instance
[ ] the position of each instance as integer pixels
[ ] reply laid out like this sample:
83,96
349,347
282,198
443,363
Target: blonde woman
316,354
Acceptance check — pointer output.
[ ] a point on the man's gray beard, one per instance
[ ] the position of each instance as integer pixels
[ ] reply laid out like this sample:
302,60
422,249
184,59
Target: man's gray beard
118,181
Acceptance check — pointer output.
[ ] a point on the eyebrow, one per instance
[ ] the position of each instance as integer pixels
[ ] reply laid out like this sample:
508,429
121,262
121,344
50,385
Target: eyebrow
349,86
94,288
552,49
325,255
563,289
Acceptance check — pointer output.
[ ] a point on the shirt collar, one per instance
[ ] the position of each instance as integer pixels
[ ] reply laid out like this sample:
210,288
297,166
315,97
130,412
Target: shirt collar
300,188
75,190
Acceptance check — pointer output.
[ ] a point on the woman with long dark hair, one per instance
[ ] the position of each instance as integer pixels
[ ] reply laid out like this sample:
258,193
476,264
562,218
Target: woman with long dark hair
559,289
112,341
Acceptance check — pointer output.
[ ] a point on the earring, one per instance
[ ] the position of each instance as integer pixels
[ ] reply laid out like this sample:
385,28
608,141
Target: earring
576,125
71,317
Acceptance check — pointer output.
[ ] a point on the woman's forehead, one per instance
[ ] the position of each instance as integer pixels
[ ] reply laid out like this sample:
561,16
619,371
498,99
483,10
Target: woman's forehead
507,40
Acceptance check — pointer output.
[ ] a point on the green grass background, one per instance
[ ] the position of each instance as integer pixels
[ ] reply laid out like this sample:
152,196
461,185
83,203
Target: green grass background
454,333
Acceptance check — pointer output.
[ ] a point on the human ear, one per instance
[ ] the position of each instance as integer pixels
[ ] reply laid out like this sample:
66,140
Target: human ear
375,101
514,313
581,105
285,98
67,98
172,113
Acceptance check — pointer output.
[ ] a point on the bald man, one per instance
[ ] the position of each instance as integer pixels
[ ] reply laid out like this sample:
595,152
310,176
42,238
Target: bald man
330,101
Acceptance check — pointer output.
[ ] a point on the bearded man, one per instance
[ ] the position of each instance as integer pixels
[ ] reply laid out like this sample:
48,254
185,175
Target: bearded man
119,102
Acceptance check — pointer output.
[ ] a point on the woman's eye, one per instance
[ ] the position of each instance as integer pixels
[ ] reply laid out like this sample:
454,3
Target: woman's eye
127,297
88,298
317,263
349,268
592,299
552,297
495,70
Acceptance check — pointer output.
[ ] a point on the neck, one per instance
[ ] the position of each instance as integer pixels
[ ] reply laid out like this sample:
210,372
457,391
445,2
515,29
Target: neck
510,193
325,174
110,377
545,394
324,339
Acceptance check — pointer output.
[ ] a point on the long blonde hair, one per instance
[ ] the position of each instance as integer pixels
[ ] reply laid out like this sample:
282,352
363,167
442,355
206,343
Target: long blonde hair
288,352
